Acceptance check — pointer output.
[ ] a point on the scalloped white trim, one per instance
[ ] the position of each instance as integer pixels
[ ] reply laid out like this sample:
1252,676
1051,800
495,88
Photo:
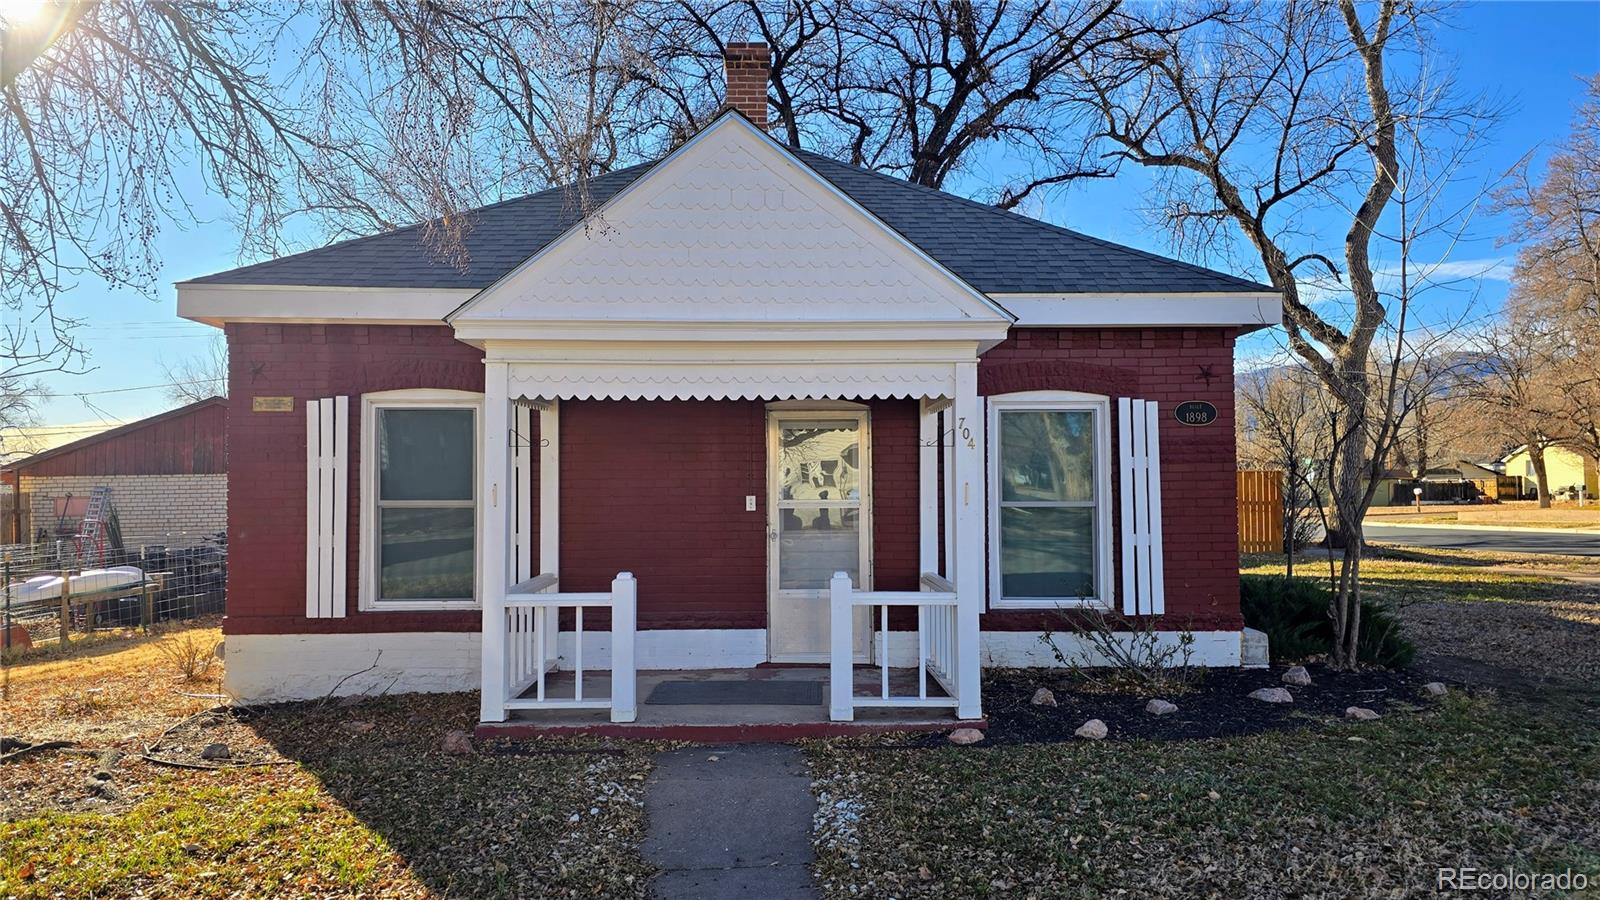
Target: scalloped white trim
773,381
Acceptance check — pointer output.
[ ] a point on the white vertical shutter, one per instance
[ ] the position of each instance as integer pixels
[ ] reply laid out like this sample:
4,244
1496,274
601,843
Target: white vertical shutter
327,506
1143,581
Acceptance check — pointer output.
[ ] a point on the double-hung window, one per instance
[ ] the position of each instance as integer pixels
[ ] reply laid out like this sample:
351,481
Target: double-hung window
419,514
1050,500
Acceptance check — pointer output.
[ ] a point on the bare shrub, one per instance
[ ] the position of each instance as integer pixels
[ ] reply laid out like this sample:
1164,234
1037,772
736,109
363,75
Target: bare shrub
187,652
1120,653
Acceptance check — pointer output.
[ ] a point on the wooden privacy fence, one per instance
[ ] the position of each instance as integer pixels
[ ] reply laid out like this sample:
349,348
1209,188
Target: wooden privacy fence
1261,511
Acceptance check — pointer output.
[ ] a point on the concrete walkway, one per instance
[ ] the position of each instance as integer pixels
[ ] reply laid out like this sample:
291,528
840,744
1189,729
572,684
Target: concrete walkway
730,822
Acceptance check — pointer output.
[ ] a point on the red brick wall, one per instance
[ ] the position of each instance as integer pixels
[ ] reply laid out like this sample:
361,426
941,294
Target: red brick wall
658,487
267,459
1200,513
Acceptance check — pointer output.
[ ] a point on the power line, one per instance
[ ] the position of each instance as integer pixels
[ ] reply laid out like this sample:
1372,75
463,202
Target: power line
124,390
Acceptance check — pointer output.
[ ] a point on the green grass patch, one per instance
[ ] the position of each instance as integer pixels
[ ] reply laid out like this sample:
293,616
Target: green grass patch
201,838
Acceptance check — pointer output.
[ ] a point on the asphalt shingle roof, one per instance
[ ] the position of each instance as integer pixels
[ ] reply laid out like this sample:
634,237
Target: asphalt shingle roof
995,251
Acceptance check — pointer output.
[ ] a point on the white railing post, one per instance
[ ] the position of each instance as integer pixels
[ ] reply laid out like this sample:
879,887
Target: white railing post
624,671
841,649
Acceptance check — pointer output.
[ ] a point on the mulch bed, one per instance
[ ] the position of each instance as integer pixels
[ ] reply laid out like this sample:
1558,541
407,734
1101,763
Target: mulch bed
1217,706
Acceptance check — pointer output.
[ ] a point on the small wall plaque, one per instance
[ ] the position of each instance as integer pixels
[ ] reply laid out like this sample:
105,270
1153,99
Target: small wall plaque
1195,412
272,404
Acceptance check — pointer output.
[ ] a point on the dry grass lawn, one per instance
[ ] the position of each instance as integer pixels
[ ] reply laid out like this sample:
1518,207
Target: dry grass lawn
1338,809
318,799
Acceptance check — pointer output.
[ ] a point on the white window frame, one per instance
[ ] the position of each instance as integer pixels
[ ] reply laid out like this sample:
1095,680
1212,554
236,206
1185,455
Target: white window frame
1055,401
430,398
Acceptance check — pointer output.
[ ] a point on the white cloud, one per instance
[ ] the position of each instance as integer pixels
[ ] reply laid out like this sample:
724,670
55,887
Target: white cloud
1490,269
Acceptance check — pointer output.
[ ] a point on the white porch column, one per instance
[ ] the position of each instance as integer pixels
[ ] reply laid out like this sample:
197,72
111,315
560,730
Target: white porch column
970,538
494,505
928,487
947,421
550,511
550,488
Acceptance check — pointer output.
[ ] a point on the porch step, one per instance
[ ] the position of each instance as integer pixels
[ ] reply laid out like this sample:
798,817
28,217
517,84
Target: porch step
737,693
728,706
730,733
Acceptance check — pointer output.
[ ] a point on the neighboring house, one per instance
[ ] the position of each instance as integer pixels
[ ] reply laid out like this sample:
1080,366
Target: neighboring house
167,474
1564,468
750,369
1459,481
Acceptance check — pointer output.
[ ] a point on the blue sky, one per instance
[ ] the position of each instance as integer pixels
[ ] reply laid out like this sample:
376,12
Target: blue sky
1528,55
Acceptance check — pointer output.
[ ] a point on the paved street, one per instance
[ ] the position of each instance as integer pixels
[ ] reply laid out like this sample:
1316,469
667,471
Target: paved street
1512,540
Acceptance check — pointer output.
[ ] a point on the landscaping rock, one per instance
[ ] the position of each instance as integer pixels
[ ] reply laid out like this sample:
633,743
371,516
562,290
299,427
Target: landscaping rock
216,751
1360,714
965,736
362,727
1272,695
1435,689
1160,708
457,742
108,762
1043,697
1093,730
1297,676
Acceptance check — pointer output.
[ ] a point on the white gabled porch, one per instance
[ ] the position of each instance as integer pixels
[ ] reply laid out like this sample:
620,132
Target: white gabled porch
557,657
732,271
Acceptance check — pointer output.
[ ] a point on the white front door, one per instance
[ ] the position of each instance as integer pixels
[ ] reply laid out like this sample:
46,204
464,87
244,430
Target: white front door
819,522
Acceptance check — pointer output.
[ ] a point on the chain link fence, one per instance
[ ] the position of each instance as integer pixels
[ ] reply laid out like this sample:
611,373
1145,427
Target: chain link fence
53,588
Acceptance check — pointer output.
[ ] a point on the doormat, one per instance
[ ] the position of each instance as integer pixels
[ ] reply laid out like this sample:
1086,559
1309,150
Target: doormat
736,693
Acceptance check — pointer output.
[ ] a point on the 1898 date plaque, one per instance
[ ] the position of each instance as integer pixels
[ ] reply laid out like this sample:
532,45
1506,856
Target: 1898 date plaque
1195,412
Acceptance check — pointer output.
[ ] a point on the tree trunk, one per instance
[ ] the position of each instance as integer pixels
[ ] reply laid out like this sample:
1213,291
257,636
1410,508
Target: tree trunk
1291,511
1541,475
1349,496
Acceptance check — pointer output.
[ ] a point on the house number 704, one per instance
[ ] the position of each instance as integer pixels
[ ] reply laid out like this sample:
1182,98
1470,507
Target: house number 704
966,433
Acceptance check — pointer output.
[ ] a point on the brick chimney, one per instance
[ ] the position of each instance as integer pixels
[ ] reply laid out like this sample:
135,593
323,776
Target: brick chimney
747,66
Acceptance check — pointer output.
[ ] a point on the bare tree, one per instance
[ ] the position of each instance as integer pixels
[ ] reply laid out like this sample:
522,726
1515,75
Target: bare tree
430,109
353,117
1272,116
102,105
1511,387
201,376
1284,427
915,89
1557,217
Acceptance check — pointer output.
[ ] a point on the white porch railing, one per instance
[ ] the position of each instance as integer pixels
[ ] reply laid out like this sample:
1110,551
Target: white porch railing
532,622
937,643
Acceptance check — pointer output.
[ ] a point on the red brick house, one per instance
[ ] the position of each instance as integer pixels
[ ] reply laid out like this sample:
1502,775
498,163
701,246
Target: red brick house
754,403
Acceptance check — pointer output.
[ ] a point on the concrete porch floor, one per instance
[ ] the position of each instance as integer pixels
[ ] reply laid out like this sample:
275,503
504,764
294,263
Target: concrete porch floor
729,722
